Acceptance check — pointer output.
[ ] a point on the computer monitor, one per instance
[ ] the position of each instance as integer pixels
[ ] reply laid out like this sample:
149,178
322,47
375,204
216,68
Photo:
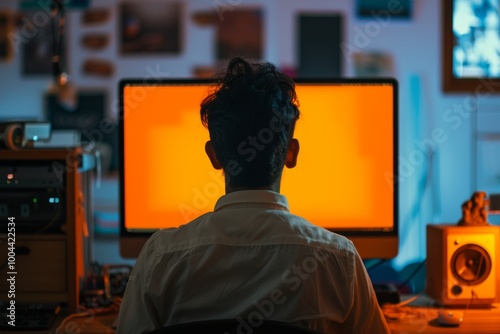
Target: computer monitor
344,181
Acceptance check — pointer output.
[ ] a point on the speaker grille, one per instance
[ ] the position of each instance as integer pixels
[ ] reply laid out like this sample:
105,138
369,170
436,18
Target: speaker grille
471,264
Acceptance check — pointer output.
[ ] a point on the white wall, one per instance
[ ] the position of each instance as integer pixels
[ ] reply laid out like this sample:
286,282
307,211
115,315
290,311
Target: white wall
415,45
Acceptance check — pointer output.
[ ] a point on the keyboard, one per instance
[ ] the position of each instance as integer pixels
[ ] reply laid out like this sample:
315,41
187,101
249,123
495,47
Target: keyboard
32,316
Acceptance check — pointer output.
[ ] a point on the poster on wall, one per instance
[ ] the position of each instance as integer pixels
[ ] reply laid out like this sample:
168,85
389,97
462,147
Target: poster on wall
397,9
150,28
373,64
319,38
238,33
6,27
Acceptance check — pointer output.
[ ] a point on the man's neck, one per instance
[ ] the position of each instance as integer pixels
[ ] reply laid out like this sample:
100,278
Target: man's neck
273,187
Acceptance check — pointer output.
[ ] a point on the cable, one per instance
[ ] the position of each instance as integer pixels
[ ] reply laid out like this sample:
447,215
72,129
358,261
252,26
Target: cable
56,215
393,312
472,294
68,318
91,312
401,285
57,13
376,265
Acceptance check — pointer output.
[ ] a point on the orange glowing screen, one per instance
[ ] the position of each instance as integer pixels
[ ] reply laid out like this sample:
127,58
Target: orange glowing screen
340,182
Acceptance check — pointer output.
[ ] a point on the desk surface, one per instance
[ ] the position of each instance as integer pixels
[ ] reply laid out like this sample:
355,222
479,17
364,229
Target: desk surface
83,324
416,317
421,317
415,320
90,324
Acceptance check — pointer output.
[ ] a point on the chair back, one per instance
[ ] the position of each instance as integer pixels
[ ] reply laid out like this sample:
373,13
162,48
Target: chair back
235,326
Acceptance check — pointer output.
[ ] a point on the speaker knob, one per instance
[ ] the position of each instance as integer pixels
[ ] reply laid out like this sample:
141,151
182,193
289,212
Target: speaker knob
456,290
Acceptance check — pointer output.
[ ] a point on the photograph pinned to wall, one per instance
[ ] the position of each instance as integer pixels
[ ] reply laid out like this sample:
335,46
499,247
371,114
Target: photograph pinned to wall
373,64
88,116
98,68
153,27
369,9
319,53
96,16
43,5
239,33
95,41
6,28
204,72
37,50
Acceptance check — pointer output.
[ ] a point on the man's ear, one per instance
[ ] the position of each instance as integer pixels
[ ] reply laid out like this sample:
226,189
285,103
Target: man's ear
209,149
292,153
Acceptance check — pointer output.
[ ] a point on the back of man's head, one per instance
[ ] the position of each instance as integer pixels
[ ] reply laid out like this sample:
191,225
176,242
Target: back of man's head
251,117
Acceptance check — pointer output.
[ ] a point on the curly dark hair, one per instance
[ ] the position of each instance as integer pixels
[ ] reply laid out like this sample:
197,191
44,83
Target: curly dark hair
251,117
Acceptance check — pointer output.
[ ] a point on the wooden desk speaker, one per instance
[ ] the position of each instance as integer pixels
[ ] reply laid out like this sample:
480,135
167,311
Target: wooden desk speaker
462,264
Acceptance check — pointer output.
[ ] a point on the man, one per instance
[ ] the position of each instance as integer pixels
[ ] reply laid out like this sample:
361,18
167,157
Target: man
251,259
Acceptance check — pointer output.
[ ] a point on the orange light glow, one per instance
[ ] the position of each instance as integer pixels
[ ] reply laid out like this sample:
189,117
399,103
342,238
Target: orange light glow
345,135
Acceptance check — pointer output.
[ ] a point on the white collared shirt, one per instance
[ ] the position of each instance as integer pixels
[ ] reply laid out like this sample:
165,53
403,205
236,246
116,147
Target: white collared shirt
250,259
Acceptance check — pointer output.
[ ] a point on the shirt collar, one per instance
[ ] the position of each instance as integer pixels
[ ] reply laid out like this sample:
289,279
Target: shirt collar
244,198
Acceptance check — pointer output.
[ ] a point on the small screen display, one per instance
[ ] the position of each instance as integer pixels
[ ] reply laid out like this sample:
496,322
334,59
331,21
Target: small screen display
476,27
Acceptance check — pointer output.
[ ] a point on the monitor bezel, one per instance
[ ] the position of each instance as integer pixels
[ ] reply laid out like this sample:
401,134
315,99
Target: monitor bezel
387,240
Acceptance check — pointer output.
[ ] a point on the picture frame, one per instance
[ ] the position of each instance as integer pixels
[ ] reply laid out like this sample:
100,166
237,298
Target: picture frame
460,41
6,28
150,28
400,9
